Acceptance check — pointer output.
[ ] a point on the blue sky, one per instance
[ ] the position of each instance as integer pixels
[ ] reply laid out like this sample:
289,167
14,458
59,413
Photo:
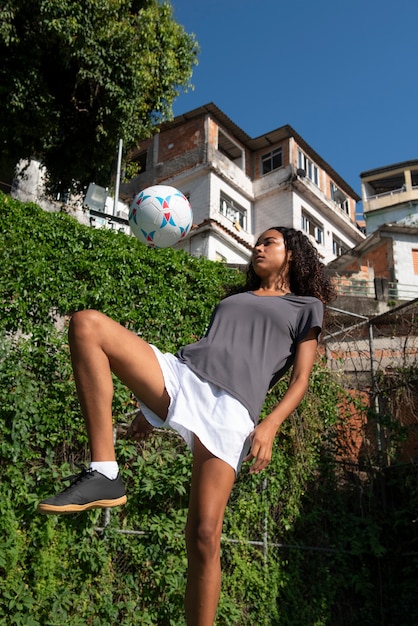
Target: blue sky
344,74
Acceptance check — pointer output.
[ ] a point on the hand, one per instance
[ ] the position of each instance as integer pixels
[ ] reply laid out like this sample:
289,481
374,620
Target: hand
140,428
261,439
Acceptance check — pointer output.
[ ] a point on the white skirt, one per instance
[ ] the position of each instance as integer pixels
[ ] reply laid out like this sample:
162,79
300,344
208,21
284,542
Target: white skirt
200,408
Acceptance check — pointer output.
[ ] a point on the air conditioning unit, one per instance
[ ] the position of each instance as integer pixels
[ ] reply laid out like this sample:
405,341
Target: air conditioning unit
124,214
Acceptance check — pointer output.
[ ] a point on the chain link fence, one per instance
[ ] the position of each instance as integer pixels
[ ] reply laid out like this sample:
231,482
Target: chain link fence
376,359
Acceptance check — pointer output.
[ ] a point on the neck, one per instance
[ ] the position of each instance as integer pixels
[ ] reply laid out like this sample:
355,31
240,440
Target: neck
276,287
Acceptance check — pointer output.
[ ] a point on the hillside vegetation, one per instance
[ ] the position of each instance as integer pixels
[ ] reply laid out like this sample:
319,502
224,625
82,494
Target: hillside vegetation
298,547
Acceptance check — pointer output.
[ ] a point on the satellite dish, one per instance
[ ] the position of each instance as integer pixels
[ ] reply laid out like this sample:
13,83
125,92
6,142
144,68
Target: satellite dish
339,196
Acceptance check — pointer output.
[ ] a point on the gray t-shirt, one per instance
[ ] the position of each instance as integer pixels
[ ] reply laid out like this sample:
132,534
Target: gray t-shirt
251,342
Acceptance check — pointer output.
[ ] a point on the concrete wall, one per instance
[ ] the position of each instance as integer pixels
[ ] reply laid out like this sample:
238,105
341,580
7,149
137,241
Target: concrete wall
274,209
391,215
402,258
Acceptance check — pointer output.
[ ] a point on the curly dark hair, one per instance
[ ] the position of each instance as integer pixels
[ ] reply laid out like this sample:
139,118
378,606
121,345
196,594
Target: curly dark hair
307,274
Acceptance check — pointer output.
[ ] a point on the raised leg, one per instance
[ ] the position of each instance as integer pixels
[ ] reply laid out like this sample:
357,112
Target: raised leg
212,481
100,346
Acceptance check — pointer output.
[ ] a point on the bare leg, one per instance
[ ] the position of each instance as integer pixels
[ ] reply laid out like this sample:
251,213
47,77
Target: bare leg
99,346
212,481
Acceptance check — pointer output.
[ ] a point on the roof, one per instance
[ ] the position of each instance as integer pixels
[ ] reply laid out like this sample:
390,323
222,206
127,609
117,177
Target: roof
372,240
264,141
390,168
212,224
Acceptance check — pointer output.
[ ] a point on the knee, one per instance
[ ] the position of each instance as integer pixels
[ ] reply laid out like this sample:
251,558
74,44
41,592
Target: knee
83,324
203,539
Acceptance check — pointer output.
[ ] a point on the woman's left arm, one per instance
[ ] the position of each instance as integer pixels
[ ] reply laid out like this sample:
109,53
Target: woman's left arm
263,435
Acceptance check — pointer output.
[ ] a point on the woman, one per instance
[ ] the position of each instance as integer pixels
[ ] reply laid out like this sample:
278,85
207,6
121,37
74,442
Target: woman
211,392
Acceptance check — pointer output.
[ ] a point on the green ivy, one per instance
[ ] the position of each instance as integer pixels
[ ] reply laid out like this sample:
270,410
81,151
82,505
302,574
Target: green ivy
303,542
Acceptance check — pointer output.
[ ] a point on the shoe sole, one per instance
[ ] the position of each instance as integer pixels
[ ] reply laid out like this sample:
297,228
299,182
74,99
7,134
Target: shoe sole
76,508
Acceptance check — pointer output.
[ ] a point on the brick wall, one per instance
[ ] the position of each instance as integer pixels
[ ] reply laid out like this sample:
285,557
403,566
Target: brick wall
176,141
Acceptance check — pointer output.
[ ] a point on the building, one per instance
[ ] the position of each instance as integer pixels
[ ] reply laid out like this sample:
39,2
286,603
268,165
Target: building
238,186
390,194
385,264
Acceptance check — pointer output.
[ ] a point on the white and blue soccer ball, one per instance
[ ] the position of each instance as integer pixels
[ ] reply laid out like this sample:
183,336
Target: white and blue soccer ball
160,216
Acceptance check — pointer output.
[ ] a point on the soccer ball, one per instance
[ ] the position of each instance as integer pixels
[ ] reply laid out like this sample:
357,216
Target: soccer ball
160,216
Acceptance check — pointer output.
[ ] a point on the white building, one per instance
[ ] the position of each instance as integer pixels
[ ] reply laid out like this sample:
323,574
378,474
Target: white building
238,186
386,263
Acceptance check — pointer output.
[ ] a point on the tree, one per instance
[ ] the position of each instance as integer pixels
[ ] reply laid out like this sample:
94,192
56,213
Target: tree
76,77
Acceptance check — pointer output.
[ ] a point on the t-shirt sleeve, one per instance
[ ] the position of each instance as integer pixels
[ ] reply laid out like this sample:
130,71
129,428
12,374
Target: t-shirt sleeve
311,316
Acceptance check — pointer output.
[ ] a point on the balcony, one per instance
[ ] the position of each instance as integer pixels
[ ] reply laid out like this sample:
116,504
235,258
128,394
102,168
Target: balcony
379,289
390,198
390,186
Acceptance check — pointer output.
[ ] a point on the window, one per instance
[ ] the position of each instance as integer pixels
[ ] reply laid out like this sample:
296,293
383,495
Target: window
62,196
271,161
339,198
414,179
312,227
233,211
220,257
415,260
338,248
310,169
140,162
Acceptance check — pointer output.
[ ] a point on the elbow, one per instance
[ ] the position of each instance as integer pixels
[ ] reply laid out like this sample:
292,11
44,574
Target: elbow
299,383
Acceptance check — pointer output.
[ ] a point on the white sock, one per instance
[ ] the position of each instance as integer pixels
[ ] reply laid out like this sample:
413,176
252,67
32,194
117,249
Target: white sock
110,469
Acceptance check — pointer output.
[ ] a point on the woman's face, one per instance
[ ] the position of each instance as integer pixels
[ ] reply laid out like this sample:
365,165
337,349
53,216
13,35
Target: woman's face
269,255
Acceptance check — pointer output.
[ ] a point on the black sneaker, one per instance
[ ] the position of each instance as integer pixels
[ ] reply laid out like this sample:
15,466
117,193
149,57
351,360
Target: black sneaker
89,490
